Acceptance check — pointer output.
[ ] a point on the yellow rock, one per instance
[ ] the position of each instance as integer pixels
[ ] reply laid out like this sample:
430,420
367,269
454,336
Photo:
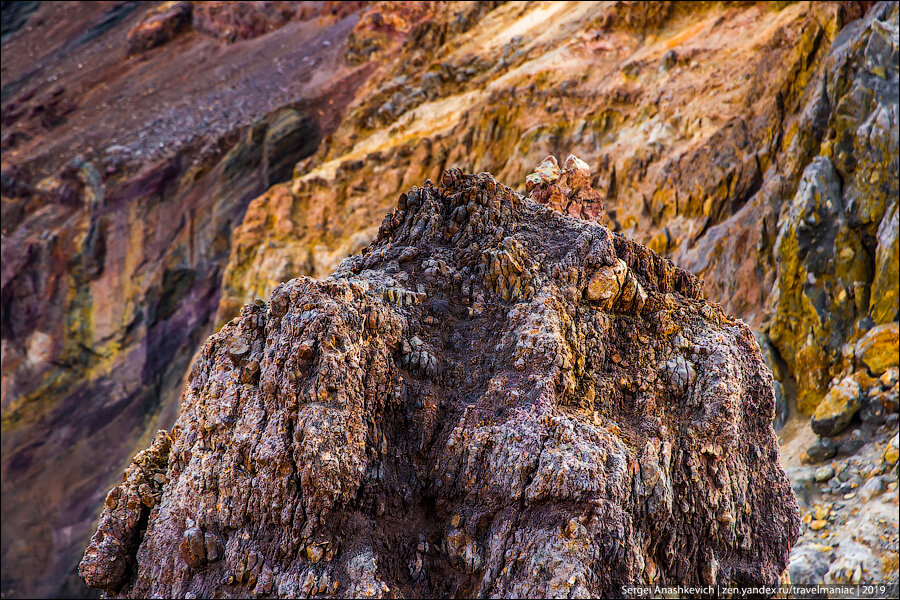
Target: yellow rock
885,295
879,347
314,553
659,243
822,513
818,524
836,410
863,380
891,454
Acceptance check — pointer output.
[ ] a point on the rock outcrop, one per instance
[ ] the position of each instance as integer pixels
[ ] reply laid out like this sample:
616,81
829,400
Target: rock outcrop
836,250
492,399
155,182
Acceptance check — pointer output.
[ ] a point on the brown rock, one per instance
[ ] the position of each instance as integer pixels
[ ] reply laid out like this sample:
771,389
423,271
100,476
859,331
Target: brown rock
193,547
567,190
160,25
359,431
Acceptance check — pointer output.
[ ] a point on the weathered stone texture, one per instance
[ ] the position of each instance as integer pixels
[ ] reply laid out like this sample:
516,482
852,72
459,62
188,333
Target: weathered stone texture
463,410
836,250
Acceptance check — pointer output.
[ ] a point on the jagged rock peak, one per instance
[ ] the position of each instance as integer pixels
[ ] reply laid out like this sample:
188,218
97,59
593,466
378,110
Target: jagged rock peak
492,399
568,189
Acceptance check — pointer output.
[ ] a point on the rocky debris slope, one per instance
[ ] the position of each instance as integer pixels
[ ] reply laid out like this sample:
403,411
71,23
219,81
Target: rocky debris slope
849,509
492,399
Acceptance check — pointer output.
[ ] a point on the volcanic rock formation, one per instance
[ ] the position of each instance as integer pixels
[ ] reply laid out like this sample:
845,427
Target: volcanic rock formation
143,146
492,399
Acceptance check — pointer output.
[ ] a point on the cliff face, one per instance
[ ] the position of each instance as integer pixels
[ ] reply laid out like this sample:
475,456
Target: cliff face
682,111
492,399
165,164
128,158
699,129
836,248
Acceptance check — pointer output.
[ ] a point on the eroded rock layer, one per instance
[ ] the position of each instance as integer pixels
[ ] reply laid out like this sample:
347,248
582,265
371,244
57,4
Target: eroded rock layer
755,144
493,399
134,136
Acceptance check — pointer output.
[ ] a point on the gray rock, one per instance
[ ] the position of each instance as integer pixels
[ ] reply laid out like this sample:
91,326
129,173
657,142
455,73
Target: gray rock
873,487
809,563
824,473
802,483
872,411
852,443
667,62
822,449
290,136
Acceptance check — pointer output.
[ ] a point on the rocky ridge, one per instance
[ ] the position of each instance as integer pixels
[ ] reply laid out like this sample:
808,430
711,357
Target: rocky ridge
493,398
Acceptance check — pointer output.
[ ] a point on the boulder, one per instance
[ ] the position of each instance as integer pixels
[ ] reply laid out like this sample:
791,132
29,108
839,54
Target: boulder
839,406
822,449
473,419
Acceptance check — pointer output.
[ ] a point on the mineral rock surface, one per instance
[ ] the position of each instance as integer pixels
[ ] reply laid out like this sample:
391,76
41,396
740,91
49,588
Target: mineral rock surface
123,177
492,399
141,207
836,251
